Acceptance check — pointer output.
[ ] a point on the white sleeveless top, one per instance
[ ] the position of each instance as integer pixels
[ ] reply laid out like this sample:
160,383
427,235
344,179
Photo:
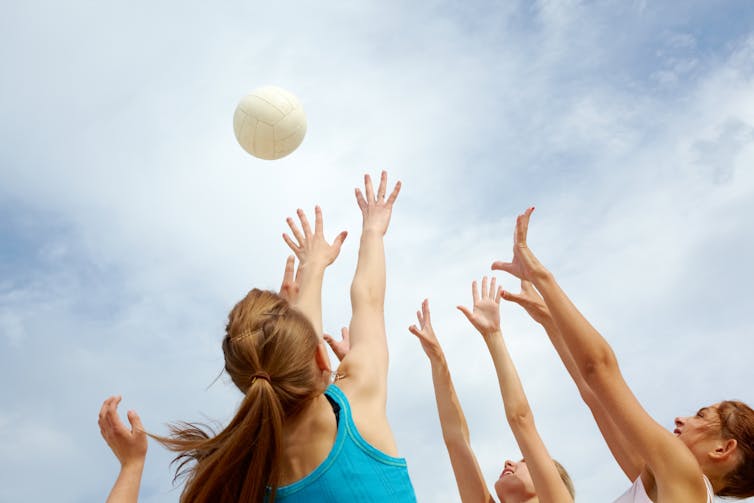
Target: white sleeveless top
637,494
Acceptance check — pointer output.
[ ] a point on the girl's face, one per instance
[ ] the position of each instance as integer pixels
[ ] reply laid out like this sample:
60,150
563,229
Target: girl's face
701,431
515,482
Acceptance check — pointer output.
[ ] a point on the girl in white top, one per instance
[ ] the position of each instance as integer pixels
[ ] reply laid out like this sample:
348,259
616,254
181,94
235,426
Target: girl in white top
711,452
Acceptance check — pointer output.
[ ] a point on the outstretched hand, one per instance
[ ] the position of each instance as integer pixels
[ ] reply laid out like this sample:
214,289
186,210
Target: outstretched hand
530,299
311,248
485,314
426,333
524,264
376,210
129,446
290,287
341,347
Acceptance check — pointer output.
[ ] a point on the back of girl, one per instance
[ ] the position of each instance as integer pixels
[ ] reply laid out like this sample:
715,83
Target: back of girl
297,435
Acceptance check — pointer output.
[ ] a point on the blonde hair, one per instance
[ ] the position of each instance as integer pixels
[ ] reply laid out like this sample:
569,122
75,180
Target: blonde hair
566,479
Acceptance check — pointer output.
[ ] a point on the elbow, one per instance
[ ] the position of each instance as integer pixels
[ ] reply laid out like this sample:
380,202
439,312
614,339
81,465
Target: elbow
519,417
364,295
598,368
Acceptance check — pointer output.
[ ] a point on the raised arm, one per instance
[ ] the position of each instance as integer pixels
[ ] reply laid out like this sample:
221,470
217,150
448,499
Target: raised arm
367,360
365,366
670,462
129,446
455,431
624,453
314,255
485,317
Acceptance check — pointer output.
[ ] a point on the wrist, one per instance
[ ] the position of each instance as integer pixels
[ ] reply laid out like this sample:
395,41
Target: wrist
549,325
540,276
132,466
372,231
312,267
494,333
492,337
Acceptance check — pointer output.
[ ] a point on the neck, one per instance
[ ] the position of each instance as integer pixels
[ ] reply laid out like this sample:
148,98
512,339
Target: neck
716,478
518,498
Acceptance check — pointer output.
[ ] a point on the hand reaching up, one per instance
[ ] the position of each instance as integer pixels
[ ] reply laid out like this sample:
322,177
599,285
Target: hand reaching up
485,314
129,446
425,333
290,287
311,248
530,299
524,264
341,347
376,210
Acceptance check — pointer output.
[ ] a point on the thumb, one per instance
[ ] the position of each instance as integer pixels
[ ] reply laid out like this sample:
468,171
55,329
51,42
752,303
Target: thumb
502,266
340,238
513,297
135,420
465,311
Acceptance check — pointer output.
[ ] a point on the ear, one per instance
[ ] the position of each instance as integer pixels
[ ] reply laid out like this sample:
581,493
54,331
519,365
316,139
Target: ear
724,450
322,358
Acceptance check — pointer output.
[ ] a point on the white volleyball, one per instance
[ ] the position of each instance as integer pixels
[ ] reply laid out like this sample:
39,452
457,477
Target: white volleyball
269,123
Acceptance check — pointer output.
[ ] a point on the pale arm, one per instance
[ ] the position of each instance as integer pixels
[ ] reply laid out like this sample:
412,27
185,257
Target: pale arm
314,254
129,446
629,460
676,471
367,361
486,319
455,431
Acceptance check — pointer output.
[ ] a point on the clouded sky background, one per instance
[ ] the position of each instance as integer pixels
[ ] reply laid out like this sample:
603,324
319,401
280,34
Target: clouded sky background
131,221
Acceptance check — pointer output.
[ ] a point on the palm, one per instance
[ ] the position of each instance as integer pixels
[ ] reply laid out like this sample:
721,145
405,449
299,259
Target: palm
376,209
312,248
485,314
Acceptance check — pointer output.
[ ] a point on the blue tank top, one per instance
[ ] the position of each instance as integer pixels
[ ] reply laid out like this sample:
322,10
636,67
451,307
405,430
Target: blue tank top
354,471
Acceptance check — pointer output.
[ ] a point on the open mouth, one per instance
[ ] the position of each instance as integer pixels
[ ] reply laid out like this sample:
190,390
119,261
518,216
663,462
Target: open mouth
676,432
507,471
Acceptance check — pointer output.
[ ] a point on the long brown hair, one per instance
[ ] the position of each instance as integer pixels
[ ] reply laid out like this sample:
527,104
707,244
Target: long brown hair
737,422
269,350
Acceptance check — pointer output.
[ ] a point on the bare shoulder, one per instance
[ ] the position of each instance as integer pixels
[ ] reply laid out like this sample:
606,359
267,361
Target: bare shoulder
368,412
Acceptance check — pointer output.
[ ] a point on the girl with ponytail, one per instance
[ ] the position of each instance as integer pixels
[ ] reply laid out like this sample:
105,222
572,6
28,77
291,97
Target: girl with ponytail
296,436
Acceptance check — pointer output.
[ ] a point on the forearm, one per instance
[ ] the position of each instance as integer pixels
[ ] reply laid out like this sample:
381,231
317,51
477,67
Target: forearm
126,488
591,353
455,432
368,287
452,421
516,405
626,456
309,300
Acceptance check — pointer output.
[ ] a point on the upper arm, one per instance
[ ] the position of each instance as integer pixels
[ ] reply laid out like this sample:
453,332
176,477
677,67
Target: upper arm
364,371
547,482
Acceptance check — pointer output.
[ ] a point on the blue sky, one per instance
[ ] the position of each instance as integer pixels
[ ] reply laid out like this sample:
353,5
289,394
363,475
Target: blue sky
131,221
